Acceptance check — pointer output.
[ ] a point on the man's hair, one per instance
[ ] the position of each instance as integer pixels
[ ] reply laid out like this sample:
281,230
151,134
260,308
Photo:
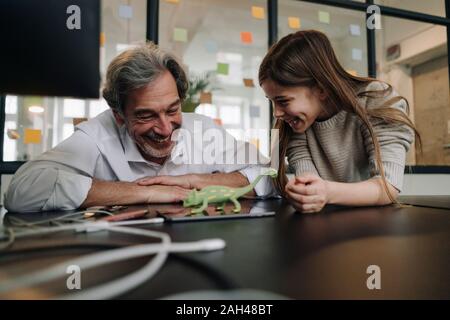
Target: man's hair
136,68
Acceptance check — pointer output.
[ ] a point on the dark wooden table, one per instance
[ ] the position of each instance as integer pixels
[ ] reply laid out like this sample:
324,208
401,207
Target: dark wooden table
301,256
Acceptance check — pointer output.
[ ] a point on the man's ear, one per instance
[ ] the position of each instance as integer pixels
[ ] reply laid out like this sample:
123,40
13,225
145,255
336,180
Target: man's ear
119,118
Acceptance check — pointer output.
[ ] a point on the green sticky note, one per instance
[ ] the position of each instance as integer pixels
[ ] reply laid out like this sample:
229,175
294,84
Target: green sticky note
222,68
324,17
180,35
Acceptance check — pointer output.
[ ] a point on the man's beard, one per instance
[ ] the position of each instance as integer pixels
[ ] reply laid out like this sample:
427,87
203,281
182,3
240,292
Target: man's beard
154,145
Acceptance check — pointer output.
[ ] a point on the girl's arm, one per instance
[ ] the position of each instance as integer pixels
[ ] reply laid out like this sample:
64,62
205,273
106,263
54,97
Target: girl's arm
365,193
310,193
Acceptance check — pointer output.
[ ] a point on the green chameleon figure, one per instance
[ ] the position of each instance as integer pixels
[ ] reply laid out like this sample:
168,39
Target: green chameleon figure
221,195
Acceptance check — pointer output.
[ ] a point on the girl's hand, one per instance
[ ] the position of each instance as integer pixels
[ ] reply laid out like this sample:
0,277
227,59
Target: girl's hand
308,193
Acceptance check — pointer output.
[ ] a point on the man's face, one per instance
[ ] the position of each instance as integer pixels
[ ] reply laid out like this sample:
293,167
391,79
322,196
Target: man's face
152,113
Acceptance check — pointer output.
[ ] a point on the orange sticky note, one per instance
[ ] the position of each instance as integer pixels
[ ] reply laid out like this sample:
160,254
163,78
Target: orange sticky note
32,136
248,83
294,22
206,97
102,39
258,12
246,37
172,1
218,121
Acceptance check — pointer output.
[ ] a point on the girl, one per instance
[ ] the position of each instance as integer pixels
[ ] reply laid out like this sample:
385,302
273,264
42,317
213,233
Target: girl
346,137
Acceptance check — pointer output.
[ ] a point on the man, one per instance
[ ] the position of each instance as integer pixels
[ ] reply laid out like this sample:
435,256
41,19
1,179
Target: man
110,159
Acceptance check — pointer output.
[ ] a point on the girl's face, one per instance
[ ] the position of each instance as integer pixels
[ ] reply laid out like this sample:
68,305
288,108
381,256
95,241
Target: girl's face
297,106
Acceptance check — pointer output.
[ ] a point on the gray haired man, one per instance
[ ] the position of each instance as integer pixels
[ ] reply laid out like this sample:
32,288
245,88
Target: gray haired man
126,154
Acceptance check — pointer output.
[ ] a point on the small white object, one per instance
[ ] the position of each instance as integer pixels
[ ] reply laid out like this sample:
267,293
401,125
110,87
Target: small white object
356,54
355,30
36,109
125,11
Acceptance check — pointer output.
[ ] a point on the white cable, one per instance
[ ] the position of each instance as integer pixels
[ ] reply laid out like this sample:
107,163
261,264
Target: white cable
119,286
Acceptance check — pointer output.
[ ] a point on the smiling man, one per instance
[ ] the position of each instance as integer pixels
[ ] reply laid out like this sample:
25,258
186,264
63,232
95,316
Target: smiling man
128,154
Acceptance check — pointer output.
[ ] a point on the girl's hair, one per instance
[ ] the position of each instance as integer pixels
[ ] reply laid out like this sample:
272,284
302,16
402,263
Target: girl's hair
306,58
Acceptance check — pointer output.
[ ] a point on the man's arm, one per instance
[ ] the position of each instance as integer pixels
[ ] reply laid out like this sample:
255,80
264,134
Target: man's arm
125,193
199,181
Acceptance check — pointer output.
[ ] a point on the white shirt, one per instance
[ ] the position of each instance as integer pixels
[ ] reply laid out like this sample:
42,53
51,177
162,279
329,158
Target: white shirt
60,178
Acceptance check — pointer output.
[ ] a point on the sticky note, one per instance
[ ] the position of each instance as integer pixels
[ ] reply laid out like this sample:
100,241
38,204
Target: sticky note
324,17
353,72
258,12
356,54
248,82
173,1
206,97
355,30
294,22
222,68
246,37
211,46
254,112
125,11
218,121
180,34
32,136
102,39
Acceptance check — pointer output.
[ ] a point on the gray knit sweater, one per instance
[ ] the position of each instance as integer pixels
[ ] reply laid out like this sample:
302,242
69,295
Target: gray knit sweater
340,148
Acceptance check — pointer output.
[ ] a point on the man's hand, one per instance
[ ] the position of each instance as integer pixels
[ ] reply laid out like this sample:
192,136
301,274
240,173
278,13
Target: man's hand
106,193
166,194
198,181
185,181
307,193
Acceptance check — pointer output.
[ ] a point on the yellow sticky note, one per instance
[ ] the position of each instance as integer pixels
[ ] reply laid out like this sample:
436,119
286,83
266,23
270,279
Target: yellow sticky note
102,39
258,12
32,136
324,17
294,22
180,35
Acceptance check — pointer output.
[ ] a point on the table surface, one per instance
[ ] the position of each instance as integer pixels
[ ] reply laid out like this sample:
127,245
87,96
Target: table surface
300,256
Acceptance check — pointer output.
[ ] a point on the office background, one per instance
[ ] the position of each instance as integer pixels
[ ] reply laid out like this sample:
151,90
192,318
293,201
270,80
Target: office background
222,42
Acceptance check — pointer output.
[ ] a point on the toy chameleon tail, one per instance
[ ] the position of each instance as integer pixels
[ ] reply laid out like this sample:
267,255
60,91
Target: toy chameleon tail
243,190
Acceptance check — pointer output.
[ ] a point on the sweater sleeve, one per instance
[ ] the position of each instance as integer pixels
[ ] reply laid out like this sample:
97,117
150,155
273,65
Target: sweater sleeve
299,155
394,139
